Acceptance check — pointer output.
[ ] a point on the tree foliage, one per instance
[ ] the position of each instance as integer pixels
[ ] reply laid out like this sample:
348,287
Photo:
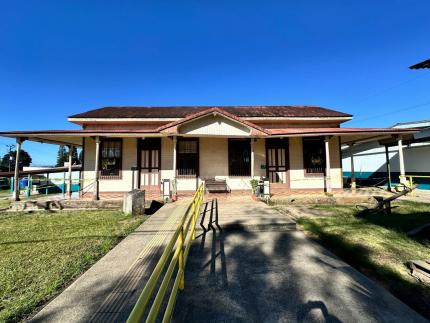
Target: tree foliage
24,160
63,156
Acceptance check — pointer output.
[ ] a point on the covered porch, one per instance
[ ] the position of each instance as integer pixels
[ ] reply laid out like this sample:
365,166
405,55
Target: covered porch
295,160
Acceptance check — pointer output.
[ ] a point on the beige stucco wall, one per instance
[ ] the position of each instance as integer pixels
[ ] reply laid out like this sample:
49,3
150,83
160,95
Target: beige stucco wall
129,159
214,126
259,157
214,163
167,158
298,180
213,157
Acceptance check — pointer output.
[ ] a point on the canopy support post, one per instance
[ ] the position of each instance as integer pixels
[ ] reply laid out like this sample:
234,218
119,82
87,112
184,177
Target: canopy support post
401,161
69,173
96,170
388,166
351,154
19,142
327,161
252,158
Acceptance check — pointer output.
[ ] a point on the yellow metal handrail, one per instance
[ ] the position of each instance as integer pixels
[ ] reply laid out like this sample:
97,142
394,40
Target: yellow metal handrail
410,179
177,251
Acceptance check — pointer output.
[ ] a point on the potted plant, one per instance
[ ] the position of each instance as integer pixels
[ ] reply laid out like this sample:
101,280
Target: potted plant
254,184
174,190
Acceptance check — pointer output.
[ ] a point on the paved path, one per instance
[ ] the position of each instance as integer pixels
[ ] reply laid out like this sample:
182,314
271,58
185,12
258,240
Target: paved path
259,268
108,290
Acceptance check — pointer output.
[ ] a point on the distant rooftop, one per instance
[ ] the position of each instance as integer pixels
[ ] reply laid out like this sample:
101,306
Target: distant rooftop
412,124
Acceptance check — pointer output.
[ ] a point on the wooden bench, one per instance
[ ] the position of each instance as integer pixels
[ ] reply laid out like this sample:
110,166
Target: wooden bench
216,186
421,270
384,204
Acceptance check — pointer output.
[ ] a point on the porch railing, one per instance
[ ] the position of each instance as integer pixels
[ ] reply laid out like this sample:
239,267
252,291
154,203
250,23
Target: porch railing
177,251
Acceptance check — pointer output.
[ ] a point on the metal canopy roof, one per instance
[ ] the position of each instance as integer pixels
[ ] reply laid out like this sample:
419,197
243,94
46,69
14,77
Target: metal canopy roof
425,64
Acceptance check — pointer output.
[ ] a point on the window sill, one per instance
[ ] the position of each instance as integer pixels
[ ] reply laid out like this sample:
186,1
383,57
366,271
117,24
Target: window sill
316,175
111,178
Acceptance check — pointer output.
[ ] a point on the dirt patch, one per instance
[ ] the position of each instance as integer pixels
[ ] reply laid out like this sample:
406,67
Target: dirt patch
297,212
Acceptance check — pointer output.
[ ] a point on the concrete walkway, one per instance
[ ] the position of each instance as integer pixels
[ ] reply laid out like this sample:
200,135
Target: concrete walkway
108,290
259,268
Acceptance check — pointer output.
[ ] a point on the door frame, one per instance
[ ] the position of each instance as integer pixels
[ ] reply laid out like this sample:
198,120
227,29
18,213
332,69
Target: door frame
279,143
141,144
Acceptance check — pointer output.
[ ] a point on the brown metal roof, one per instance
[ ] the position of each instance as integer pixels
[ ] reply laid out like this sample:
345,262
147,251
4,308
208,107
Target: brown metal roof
184,111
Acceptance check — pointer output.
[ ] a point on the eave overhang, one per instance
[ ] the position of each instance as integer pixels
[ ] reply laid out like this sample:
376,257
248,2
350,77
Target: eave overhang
347,135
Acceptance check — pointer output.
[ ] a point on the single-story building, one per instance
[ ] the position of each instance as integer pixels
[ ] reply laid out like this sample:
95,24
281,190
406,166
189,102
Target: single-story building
296,147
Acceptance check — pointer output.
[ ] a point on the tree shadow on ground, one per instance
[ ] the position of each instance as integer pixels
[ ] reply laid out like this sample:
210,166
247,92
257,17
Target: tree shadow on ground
232,275
416,295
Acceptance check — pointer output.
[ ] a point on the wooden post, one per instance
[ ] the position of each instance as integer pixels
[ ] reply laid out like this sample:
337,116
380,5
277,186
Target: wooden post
96,170
19,142
327,162
388,165
252,158
69,173
401,161
351,155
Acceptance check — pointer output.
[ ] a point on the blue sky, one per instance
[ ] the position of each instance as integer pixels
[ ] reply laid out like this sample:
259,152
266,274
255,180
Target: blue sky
58,58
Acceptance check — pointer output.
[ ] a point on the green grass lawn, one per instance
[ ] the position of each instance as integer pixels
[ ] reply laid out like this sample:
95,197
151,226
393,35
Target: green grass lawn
4,203
40,253
378,246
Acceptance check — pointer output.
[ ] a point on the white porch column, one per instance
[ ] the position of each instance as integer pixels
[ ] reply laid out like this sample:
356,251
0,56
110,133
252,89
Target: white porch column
252,158
327,162
19,142
174,156
97,170
69,173
351,155
401,161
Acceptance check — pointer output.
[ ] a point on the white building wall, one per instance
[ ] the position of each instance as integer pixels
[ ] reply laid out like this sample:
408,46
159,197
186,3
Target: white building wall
129,159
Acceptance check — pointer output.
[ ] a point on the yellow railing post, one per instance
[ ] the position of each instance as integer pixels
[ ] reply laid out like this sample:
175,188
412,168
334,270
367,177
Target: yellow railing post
193,236
181,260
177,251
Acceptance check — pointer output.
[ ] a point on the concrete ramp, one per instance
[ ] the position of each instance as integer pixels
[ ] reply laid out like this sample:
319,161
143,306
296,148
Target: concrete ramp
108,291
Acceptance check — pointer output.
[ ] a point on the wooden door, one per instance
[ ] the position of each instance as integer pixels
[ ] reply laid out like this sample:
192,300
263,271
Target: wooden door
150,164
277,160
